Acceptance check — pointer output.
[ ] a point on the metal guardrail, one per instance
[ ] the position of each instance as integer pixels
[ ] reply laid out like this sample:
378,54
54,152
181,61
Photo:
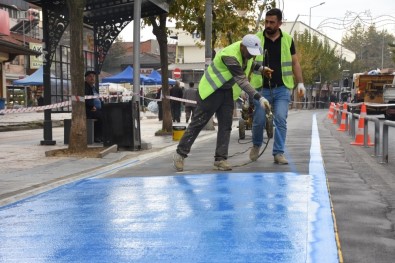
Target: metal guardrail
378,144
376,134
350,126
386,125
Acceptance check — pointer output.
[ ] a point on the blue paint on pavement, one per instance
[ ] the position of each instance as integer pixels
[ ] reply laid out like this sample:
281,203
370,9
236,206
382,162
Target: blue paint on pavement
198,218
322,241
234,217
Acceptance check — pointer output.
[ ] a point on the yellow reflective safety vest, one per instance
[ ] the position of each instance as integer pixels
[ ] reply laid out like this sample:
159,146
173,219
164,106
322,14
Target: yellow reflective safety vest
286,62
217,74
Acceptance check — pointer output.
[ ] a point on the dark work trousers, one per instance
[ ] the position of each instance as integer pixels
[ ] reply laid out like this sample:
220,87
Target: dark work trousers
175,110
189,111
221,103
160,111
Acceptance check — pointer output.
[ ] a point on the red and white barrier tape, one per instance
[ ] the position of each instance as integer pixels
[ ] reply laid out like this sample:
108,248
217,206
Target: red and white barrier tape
182,100
82,98
38,108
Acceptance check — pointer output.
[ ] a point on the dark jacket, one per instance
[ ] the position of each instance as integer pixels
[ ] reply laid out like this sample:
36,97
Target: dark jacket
89,103
177,92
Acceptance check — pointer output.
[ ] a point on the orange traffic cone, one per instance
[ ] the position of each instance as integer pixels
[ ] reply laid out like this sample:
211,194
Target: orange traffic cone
337,107
342,126
361,125
330,113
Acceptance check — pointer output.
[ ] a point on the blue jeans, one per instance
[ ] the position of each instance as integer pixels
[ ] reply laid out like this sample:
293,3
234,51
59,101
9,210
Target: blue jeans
279,99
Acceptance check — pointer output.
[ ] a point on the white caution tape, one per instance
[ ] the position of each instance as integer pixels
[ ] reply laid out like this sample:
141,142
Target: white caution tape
182,100
170,98
81,99
77,98
38,108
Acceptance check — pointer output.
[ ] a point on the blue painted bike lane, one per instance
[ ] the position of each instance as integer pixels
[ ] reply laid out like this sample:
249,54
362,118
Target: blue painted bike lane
224,217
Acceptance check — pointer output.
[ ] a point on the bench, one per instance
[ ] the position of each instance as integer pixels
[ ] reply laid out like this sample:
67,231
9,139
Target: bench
90,129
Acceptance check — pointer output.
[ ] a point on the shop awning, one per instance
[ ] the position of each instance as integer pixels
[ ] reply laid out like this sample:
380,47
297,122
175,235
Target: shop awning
9,46
35,79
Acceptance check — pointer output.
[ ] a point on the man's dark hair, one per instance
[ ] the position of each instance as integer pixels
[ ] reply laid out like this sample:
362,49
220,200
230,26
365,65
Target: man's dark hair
275,12
191,84
90,72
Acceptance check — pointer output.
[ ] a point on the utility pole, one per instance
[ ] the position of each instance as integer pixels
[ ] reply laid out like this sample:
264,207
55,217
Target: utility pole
208,28
310,14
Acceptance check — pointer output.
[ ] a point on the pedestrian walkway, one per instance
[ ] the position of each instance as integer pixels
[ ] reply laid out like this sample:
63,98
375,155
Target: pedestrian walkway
25,170
138,209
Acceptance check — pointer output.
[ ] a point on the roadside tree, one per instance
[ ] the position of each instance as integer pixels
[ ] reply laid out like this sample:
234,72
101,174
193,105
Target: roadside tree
78,136
231,20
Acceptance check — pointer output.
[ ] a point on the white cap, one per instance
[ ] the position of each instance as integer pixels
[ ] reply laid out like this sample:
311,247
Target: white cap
253,44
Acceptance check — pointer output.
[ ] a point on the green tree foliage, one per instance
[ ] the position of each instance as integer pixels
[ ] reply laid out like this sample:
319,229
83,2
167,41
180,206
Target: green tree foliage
232,19
317,59
372,48
392,48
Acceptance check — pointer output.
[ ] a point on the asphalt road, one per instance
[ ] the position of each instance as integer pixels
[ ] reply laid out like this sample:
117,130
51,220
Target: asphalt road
363,196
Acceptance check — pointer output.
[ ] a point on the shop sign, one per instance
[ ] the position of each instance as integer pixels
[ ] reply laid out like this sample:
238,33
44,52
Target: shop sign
36,62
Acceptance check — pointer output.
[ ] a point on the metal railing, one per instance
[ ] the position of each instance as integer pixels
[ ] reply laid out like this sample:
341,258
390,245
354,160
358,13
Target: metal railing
386,125
350,127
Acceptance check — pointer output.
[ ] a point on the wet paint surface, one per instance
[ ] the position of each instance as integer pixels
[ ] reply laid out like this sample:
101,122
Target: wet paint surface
249,217
235,217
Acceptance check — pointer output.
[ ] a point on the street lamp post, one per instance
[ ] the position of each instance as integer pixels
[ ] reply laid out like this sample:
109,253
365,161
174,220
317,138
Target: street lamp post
310,14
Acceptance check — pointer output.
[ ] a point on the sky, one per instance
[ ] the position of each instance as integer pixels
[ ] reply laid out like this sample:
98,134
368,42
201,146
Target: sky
333,13
340,14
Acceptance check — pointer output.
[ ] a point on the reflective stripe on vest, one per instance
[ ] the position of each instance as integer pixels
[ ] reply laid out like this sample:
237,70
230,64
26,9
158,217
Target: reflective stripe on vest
217,74
286,63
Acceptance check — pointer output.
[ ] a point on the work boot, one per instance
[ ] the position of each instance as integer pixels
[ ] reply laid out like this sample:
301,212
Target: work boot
178,162
222,165
280,159
254,154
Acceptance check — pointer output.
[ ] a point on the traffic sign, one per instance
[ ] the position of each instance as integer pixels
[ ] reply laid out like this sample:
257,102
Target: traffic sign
177,73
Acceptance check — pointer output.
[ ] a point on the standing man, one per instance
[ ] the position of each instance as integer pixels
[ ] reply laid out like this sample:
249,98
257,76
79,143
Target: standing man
190,94
175,105
280,56
220,85
93,107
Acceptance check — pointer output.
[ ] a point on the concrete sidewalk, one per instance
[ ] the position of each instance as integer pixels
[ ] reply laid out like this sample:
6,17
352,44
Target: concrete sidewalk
26,171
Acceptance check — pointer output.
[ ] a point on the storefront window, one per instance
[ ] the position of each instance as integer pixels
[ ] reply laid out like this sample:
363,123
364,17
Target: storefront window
19,97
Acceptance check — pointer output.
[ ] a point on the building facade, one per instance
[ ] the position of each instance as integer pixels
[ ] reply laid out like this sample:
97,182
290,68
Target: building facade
20,45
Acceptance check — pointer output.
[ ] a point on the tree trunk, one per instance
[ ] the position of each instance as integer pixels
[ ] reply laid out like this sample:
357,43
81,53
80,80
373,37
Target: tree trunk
78,136
160,31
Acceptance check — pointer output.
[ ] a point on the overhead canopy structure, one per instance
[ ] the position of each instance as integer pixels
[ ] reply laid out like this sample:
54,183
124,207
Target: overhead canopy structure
107,18
126,76
158,78
99,11
37,79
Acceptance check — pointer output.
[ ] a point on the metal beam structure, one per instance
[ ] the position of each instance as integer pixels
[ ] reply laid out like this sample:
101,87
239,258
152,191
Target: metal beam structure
106,18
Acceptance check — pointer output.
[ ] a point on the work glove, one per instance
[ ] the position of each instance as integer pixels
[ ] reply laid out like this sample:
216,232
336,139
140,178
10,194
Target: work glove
264,104
301,89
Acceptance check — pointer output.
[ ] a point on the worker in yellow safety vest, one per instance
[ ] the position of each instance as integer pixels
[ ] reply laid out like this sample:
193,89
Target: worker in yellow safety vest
280,56
220,85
